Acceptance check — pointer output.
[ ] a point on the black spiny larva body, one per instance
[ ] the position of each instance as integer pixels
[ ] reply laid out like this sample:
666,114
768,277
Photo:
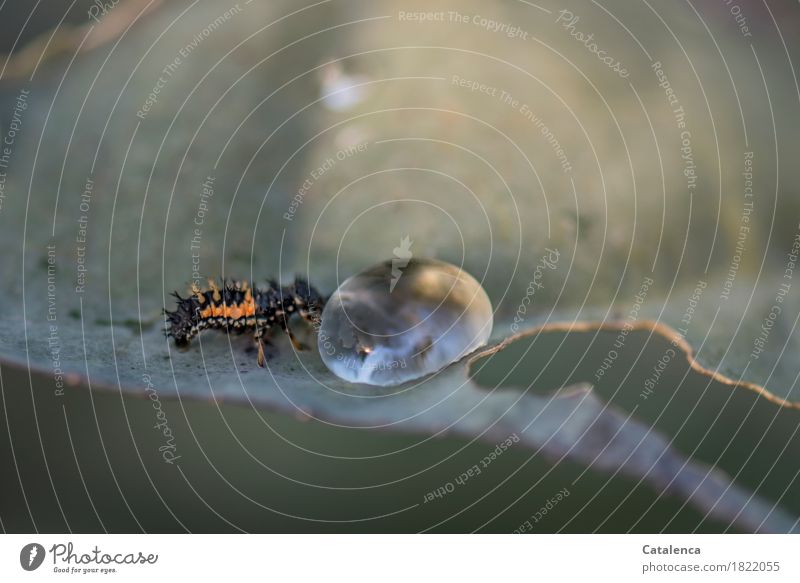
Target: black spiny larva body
238,307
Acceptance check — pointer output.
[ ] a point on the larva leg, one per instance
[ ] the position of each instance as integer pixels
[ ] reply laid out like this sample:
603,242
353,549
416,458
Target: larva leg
261,358
295,342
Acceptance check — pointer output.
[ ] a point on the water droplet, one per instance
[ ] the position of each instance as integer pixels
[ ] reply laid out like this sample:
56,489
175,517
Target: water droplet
403,319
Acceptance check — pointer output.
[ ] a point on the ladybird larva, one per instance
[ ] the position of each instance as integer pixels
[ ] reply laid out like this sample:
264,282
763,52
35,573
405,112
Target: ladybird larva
238,306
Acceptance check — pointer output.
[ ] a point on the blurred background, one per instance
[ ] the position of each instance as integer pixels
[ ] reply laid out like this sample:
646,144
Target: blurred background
149,144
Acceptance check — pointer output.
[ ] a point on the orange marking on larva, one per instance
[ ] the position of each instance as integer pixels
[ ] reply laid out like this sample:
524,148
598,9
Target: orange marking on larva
198,293
206,312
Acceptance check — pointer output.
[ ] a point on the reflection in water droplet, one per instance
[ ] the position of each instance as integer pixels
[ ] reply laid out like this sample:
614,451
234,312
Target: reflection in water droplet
392,323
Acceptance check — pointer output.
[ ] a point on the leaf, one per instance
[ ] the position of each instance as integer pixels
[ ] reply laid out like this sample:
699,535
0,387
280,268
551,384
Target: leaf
656,379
